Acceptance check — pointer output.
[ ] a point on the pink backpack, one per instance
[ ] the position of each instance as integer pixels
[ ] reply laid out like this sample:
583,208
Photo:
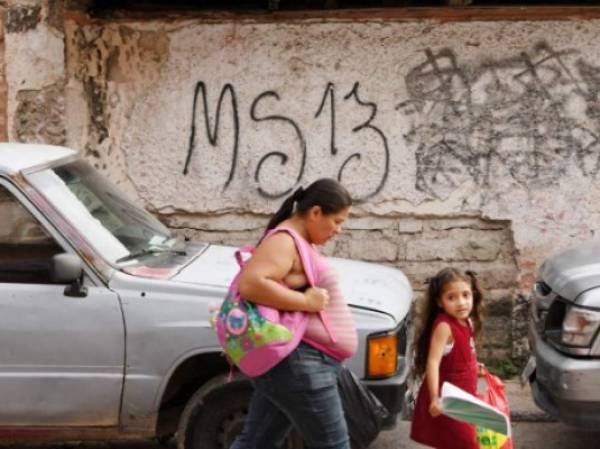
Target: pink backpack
257,337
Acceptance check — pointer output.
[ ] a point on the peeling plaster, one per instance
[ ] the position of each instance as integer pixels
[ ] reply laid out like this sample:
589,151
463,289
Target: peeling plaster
111,65
40,116
22,18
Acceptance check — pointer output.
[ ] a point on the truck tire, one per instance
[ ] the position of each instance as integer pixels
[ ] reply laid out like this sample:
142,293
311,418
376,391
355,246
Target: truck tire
213,420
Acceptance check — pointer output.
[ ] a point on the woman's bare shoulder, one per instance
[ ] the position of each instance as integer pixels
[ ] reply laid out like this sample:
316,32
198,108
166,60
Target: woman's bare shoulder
280,242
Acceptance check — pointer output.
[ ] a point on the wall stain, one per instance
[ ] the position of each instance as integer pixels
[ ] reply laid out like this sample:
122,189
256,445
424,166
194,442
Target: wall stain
40,116
107,61
23,18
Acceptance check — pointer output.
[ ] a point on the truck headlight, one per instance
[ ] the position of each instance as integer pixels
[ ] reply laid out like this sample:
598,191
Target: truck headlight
580,326
382,355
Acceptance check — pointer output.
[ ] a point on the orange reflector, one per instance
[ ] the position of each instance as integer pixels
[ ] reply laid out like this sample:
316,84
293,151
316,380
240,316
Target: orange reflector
383,356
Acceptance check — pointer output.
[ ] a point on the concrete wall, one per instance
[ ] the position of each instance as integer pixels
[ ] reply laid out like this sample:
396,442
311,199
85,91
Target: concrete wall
466,143
35,69
3,87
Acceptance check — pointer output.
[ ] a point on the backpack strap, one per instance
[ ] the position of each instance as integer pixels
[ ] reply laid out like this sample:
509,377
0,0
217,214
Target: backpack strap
304,250
249,249
310,270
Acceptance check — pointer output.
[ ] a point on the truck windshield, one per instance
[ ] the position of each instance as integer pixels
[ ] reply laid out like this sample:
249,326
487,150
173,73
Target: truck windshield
118,229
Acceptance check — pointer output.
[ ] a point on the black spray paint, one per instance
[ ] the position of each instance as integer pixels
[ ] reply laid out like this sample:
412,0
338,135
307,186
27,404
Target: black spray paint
469,123
506,117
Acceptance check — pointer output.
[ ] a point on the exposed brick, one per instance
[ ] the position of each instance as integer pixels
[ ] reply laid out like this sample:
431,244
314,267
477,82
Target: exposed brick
520,328
492,276
456,245
40,116
369,223
499,307
410,226
230,238
219,223
369,246
465,223
497,331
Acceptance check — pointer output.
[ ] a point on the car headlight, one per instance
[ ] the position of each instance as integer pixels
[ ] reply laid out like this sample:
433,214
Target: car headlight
580,326
382,355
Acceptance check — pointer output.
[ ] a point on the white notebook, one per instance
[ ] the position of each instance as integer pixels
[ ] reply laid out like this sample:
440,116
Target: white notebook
458,404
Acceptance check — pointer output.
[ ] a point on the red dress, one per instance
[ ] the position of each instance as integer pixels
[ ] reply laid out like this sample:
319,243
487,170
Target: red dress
458,367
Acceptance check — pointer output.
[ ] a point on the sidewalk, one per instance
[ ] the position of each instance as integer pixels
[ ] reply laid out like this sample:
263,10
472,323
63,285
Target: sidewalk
522,407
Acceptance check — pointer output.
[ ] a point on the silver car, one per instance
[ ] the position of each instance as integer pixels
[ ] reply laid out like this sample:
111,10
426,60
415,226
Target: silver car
564,368
105,315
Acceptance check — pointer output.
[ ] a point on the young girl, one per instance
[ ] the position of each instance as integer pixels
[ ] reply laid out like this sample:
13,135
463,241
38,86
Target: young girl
444,351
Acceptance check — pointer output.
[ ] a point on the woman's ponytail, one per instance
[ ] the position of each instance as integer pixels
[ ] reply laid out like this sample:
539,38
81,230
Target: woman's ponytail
286,210
326,193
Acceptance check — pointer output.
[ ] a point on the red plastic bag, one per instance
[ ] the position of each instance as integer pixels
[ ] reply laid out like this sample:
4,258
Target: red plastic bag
495,396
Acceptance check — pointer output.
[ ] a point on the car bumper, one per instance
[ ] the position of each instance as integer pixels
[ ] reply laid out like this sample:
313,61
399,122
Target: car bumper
566,387
391,393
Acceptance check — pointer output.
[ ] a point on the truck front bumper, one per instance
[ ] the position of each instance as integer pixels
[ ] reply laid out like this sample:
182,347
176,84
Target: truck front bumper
565,387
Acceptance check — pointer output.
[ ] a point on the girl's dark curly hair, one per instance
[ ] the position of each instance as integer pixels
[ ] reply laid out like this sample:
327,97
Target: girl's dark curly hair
427,310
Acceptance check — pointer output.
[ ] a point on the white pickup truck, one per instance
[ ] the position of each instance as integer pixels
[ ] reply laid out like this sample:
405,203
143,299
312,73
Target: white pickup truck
105,315
564,335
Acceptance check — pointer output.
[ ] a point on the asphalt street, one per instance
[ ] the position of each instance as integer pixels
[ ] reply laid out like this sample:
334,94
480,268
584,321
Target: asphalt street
532,429
527,435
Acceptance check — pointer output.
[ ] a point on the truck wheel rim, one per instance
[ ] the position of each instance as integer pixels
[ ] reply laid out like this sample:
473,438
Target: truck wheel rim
231,427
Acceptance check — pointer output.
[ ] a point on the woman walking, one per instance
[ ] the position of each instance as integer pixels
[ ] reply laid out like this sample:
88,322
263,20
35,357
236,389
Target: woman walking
301,390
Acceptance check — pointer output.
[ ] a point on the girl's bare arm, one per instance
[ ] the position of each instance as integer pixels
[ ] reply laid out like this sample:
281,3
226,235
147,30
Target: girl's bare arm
261,278
440,337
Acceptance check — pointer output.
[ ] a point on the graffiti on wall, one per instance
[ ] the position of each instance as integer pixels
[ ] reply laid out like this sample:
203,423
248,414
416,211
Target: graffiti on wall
209,127
528,118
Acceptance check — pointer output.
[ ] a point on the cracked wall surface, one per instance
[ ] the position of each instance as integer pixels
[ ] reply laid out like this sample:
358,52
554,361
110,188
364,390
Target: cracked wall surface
110,69
466,143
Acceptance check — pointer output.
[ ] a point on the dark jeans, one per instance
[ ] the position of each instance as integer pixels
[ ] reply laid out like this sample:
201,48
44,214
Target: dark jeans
301,391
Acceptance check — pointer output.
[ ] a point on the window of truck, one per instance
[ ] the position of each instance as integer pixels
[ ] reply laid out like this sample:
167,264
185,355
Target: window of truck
26,249
109,221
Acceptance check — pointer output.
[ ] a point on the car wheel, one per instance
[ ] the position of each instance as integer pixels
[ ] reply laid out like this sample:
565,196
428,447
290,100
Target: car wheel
214,420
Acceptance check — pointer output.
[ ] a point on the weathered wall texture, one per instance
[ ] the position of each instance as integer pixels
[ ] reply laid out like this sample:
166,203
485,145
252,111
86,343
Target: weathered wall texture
3,87
3,90
473,143
35,69
420,247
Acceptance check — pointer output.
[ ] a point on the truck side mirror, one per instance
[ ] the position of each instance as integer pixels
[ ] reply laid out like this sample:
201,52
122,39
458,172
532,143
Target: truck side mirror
67,269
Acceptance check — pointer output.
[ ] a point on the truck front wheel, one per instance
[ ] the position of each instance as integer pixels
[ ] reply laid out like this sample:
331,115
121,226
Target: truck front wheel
213,421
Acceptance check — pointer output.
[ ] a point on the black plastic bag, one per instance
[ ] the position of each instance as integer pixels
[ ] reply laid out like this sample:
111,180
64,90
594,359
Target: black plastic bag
365,414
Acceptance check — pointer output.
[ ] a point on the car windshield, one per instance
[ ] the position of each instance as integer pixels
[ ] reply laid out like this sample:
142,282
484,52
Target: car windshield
118,229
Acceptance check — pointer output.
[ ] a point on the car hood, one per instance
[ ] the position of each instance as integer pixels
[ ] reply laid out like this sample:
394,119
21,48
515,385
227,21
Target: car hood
364,285
571,272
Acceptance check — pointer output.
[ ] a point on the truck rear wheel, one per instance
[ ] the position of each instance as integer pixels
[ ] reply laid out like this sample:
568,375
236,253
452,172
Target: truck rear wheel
213,421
